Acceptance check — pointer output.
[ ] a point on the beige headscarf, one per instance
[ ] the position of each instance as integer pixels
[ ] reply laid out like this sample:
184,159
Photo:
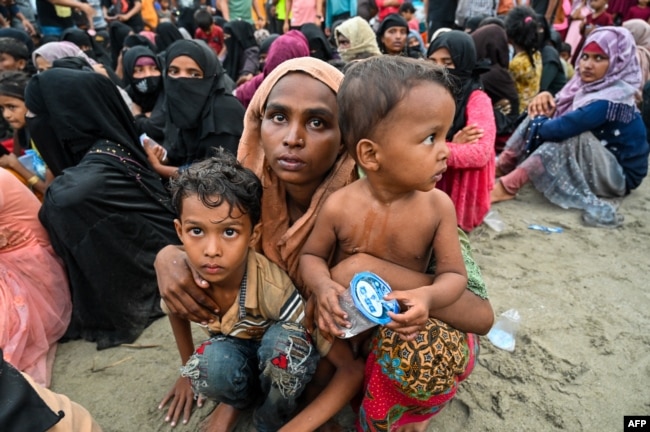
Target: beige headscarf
363,40
641,32
282,242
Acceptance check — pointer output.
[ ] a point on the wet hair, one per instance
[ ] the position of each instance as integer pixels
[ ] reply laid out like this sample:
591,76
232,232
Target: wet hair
522,28
407,7
397,76
13,84
14,48
218,179
203,20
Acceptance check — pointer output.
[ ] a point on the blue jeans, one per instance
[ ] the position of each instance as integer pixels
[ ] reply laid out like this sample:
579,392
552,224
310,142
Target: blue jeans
237,371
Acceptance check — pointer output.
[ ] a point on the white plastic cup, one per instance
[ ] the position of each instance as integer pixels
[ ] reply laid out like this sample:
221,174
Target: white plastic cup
503,333
364,303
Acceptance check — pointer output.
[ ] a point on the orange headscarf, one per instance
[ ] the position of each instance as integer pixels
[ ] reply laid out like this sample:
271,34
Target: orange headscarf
282,242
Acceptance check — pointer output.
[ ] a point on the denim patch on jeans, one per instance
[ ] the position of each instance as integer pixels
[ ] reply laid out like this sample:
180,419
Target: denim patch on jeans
236,371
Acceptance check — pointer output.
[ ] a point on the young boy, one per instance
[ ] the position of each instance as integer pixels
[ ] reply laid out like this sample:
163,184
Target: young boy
14,55
396,214
565,58
258,346
208,31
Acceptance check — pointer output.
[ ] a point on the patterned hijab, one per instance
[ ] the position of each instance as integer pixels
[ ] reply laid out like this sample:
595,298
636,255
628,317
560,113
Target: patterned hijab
363,40
282,241
619,84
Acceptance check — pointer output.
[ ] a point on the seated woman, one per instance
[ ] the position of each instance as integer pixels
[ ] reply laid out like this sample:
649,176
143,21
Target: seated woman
242,56
199,105
553,76
470,167
492,46
143,77
588,143
392,35
107,212
35,302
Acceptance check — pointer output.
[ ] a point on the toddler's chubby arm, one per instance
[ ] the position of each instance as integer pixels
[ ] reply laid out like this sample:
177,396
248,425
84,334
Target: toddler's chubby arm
449,281
315,273
345,383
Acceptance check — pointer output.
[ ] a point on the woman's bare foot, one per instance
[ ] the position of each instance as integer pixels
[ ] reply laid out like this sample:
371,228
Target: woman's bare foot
222,419
499,193
415,427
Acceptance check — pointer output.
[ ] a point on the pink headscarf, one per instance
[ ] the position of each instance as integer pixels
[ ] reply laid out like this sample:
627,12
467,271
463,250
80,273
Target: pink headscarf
619,84
290,45
57,50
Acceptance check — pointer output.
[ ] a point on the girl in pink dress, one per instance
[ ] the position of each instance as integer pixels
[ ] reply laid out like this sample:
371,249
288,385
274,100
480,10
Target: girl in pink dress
35,304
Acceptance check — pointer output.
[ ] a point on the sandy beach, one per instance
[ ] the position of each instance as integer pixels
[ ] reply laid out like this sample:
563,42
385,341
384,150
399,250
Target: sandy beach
582,355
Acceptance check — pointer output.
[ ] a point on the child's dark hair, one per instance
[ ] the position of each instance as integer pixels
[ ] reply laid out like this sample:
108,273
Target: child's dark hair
522,28
13,84
565,48
373,87
203,19
407,7
14,48
218,179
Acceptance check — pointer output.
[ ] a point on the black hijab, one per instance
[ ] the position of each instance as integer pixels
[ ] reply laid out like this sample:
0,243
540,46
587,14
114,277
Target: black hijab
68,123
239,36
319,46
463,53
118,31
491,44
95,51
143,91
392,20
200,107
135,40
166,34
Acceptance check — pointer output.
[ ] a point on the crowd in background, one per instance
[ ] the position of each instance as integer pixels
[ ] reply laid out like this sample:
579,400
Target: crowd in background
104,101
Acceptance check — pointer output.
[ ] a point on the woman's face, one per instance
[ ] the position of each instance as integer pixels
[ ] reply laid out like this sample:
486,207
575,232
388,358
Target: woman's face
144,71
13,110
300,131
42,64
592,67
342,42
394,39
184,67
442,57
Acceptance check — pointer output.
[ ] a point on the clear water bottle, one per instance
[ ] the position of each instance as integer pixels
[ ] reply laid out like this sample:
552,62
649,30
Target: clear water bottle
503,333
365,305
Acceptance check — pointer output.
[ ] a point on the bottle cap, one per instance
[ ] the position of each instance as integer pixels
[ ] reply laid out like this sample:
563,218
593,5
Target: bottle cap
368,291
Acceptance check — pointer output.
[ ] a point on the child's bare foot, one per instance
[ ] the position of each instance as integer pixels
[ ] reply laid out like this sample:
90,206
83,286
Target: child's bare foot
222,419
415,427
499,193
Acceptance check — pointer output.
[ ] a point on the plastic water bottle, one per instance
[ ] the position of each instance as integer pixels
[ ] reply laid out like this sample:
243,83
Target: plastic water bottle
503,333
33,162
365,304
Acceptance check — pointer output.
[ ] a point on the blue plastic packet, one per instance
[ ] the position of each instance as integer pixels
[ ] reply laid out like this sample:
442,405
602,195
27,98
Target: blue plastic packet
546,228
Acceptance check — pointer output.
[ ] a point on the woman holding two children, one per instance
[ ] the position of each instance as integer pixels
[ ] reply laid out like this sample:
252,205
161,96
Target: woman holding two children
590,141
292,142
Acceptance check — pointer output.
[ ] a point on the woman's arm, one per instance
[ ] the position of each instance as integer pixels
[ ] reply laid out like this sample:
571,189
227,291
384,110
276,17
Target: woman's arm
573,123
479,112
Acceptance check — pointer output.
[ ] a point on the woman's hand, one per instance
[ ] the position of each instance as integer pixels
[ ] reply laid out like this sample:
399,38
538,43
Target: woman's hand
182,289
542,104
181,398
470,134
